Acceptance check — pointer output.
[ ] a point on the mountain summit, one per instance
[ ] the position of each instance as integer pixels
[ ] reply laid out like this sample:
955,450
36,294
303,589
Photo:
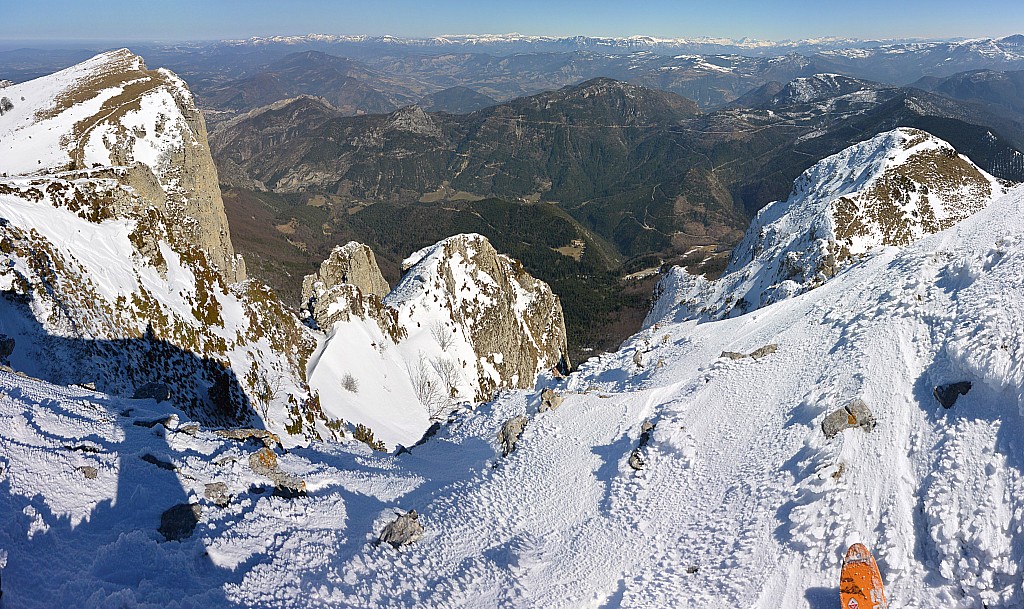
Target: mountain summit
889,190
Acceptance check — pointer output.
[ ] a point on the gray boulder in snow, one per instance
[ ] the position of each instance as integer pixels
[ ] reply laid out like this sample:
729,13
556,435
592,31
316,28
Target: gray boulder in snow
854,414
510,432
549,400
153,391
243,434
264,463
947,394
403,530
217,492
180,521
756,354
763,351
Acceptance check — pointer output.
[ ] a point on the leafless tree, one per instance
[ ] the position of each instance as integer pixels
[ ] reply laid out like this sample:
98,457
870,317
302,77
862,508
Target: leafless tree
444,337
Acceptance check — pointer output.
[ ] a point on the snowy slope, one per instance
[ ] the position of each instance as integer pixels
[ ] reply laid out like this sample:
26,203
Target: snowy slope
889,190
743,502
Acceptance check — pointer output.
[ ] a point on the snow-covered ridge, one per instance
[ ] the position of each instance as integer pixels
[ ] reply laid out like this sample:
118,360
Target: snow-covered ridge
890,190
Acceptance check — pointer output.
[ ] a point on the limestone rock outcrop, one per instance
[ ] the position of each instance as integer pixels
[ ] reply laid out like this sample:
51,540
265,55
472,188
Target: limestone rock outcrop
344,285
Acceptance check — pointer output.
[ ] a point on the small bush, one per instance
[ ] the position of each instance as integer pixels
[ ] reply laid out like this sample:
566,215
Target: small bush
365,435
349,383
6,105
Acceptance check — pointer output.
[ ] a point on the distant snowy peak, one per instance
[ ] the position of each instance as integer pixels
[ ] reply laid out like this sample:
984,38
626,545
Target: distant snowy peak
525,42
890,190
818,87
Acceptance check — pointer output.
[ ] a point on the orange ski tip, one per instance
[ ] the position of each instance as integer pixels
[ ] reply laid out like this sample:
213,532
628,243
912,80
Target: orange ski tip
860,583
857,552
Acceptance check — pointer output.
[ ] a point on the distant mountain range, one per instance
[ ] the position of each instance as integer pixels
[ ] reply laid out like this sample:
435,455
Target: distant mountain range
521,43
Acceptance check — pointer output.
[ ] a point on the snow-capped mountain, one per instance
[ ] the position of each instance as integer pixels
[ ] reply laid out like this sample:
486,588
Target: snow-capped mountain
890,190
463,323
741,499
524,43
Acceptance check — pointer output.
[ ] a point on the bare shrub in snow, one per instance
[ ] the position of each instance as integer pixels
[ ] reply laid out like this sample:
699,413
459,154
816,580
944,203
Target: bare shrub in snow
349,383
448,371
6,105
444,337
430,389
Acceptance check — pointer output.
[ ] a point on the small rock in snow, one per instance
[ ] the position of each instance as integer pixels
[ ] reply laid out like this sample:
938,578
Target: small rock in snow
217,492
180,521
153,391
549,400
269,439
88,471
854,414
763,351
510,433
948,393
636,458
403,530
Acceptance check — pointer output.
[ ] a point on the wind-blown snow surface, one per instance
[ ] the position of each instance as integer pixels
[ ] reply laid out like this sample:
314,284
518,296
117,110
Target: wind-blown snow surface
743,503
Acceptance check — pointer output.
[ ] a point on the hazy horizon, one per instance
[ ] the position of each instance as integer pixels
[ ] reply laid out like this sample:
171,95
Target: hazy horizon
195,20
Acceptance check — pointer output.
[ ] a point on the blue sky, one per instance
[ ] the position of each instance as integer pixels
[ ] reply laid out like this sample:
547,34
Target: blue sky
217,19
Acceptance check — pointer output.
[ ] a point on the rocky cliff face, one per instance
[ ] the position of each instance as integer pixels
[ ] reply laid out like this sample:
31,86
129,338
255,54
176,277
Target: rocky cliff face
116,265
348,283
889,190
463,323
512,321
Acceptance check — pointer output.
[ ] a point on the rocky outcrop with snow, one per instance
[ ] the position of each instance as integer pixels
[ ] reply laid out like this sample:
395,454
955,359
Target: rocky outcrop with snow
346,281
890,190
116,264
463,323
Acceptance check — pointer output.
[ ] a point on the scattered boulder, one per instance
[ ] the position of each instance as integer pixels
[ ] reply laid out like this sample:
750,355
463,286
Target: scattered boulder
269,438
153,391
756,354
638,359
217,492
510,432
854,414
549,400
764,351
948,393
636,458
264,463
180,521
88,471
403,530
